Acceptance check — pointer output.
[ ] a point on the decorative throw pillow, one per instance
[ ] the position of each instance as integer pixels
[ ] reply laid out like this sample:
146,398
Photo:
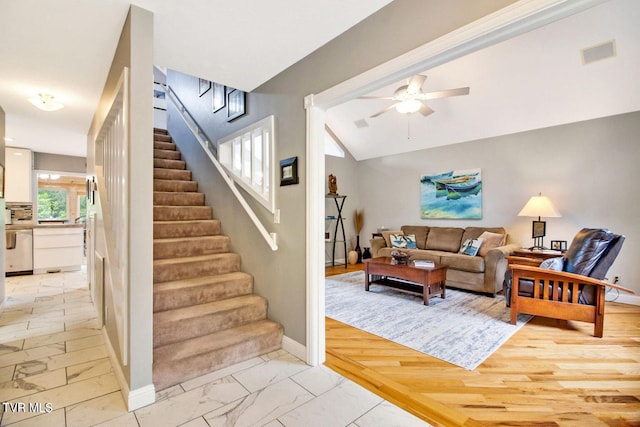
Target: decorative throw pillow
471,246
402,241
490,241
386,235
553,264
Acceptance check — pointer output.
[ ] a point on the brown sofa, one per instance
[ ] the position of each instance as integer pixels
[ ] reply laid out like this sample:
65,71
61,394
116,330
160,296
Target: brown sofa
481,273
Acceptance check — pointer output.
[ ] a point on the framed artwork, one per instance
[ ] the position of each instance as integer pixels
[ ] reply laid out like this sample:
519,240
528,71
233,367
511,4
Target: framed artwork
235,104
203,86
219,99
451,194
538,229
559,245
289,171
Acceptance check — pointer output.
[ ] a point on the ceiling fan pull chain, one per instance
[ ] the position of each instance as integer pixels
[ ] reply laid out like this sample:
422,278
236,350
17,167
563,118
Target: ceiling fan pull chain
408,126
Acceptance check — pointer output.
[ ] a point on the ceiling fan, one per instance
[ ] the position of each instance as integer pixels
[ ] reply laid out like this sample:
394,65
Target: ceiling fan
409,98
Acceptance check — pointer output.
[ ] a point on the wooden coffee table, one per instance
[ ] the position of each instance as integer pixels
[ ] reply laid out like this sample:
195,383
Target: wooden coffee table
426,282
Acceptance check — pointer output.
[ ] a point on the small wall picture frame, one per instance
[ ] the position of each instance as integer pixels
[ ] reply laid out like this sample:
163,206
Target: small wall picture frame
559,245
203,86
289,171
539,229
235,104
219,98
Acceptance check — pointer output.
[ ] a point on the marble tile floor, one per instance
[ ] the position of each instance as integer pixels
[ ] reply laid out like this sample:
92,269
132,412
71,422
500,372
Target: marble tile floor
55,371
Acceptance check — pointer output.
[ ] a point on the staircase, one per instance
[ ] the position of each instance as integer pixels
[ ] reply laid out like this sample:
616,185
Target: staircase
205,314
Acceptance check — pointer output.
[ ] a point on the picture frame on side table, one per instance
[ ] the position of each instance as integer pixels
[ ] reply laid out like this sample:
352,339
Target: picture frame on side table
219,99
289,171
559,245
203,86
235,103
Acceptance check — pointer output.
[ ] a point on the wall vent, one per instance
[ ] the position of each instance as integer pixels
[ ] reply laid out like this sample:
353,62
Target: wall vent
596,53
362,123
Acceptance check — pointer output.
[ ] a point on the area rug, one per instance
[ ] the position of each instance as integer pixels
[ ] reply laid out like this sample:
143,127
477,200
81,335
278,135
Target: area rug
464,328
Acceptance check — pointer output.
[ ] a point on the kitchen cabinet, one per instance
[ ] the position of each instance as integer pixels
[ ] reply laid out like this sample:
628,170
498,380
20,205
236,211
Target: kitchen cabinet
57,248
18,175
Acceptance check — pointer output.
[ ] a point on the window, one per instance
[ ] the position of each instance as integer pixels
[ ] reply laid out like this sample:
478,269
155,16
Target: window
52,204
247,156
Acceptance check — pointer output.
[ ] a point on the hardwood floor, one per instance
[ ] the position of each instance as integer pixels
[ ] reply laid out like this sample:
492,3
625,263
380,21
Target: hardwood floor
550,373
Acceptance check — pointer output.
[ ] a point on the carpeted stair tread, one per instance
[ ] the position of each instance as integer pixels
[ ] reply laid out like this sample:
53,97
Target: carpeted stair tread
179,247
166,154
169,164
160,131
186,228
175,185
173,174
200,290
166,270
175,363
161,145
181,213
175,198
161,137
189,322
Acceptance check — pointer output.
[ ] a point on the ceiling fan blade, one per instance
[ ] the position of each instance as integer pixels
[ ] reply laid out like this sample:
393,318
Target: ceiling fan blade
444,93
425,109
389,108
375,97
415,84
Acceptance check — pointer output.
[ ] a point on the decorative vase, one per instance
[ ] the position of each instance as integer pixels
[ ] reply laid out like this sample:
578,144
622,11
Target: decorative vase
366,254
353,257
358,250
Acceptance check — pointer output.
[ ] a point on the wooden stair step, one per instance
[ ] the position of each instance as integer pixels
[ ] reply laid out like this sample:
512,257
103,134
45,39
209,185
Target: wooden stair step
180,213
169,164
175,198
200,290
184,323
167,270
180,247
186,228
160,131
176,363
161,137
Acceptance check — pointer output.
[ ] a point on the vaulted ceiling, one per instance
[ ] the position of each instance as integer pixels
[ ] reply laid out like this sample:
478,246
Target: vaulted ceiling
533,81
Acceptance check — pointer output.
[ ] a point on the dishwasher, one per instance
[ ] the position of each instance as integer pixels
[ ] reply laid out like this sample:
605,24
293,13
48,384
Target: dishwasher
19,254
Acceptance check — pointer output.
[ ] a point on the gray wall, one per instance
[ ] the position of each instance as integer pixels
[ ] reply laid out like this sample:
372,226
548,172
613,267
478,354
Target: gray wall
59,163
394,30
588,169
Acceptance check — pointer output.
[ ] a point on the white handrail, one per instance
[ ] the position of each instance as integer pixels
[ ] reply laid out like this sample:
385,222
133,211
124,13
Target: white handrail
208,147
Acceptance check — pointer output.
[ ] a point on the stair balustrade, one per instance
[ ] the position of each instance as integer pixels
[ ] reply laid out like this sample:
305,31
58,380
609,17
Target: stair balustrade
210,150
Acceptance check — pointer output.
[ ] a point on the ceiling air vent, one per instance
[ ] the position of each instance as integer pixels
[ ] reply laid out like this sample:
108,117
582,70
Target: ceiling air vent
596,53
362,123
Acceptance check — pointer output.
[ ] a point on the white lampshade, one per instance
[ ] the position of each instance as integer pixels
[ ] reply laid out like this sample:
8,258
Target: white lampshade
539,206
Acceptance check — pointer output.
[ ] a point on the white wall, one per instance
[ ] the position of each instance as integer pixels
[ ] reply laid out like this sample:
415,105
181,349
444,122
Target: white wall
588,169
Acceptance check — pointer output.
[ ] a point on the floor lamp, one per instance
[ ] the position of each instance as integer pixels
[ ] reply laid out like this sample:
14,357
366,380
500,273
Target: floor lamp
539,206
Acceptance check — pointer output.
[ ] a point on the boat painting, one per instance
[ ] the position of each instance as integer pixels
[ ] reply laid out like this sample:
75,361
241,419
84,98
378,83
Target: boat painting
451,195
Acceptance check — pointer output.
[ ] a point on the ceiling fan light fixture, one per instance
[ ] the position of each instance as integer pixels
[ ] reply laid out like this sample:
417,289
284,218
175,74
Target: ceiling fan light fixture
45,102
408,106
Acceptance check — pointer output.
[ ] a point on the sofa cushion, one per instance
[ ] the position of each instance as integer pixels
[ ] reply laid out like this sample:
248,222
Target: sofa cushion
475,232
444,238
386,234
471,247
473,264
403,241
420,231
490,241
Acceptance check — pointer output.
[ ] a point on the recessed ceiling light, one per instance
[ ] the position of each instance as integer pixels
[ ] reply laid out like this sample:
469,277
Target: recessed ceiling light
45,102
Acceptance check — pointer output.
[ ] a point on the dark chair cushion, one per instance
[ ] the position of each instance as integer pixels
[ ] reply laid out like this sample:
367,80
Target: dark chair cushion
586,249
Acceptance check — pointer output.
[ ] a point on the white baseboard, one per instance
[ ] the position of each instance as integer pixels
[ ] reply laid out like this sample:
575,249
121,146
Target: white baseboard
294,347
623,298
137,398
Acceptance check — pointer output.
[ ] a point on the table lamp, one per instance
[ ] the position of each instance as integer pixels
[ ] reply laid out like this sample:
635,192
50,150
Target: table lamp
539,206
